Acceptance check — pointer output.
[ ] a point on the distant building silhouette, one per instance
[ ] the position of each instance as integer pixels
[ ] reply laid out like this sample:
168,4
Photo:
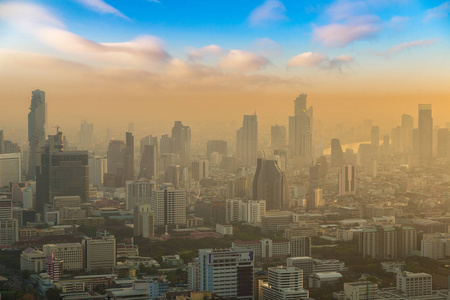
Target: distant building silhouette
425,132
337,156
247,141
37,122
300,132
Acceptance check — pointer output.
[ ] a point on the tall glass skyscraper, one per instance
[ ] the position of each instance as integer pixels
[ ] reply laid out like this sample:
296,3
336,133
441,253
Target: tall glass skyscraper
37,121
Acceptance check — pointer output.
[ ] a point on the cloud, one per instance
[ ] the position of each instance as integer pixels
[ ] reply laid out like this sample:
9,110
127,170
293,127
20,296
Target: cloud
307,59
244,61
102,7
155,1
342,34
404,46
438,12
266,47
397,22
142,51
270,10
313,59
200,53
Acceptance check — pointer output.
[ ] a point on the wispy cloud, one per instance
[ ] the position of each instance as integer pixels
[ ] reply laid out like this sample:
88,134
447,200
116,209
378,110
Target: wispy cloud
266,47
438,12
313,59
270,10
102,7
200,53
404,46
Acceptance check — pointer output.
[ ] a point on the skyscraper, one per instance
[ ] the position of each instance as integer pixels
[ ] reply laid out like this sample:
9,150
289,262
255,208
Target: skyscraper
407,131
37,121
278,136
247,141
148,167
128,159
300,132
169,207
181,136
337,156
346,180
86,134
425,132
270,184
97,169
442,142
138,192
375,138
115,154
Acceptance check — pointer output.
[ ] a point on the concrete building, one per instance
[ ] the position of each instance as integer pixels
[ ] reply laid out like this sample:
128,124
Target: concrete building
37,123
414,284
138,192
144,221
346,180
10,168
33,260
305,263
169,207
247,141
224,229
318,280
284,283
300,246
265,249
70,253
300,132
193,275
226,272
97,168
99,253
360,290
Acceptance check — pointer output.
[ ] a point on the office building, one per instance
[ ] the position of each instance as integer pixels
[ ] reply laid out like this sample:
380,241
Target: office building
425,127
86,134
115,157
278,137
149,163
37,122
270,184
144,221
54,267
247,141
193,275
360,290
6,211
304,263
9,231
138,192
99,253
300,132
128,159
200,169
284,283
70,253
346,180
226,272
27,202
218,146
97,168
300,246
181,136
10,168
414,284
33,260
172,175
337,156
169,207
148,140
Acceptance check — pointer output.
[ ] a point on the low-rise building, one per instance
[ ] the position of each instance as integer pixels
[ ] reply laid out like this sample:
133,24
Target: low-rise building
414,284
33,260
317,280
360,290
224,229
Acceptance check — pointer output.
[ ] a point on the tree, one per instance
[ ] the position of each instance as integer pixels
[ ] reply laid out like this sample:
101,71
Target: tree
53,294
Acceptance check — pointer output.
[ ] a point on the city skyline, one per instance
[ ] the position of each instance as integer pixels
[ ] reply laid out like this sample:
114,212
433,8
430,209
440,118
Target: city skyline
219,57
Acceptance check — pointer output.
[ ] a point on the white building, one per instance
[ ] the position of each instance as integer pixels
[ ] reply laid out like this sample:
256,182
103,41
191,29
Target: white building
27,198
144,221
33,260
226,272
10,168
70,253
284,283
345,234
193,273
317,280
224,229
5,209
360,290
265,248
250,211
414,284
138,192
97,167
169,207
9,231
434,246
99,253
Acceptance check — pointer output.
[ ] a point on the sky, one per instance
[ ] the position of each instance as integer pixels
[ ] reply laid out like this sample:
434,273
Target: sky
210,62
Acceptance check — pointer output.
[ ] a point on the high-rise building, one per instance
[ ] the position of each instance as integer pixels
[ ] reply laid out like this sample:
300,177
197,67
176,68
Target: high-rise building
304,263
97,169
407,131
278,136
2,142
181,136
99,253
6,209
138,192
300,132
193,273
270,184
443,137
284,283
200,169
149,169
86,134
148,140
167,144
37,122
172,175
54,267
28,198
247,141
425,132
218,146
70,253
337,156
115,155
169,207
10,168
300,246
144,221
375,138
61,173
128,159
346,180
227,272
